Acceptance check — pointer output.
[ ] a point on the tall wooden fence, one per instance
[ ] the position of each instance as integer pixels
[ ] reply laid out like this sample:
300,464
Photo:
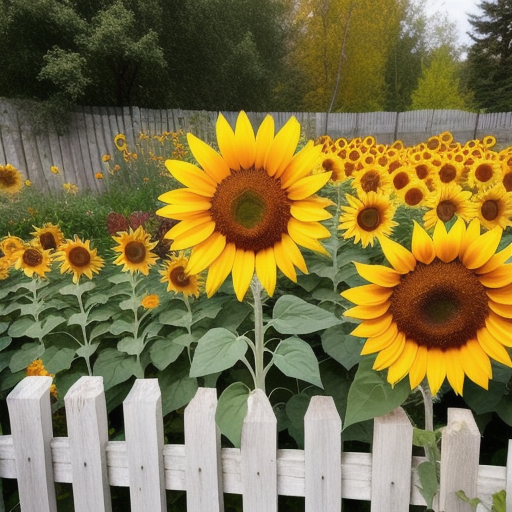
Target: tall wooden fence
77,149
321,473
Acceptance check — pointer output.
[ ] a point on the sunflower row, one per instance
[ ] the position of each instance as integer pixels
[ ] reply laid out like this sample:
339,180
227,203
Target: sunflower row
76,257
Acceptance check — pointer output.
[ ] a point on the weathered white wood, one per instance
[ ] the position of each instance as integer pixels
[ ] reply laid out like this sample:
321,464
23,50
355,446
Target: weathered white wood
460,448
391,462
508,476
322,451
258,451
202,451
144,446
86,415
31,425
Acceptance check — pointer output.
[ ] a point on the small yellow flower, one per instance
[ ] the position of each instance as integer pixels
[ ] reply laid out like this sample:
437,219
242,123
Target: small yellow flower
4,267
177,279
145,180
106,158
150,301
120,142
54,169
28,183
70,188
99,175
135,250
11,181
36,369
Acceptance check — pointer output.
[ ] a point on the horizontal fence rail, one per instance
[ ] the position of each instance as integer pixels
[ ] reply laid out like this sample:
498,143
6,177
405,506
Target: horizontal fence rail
77,149
321,473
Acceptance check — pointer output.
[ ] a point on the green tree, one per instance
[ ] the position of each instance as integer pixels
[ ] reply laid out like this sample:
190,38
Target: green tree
490,56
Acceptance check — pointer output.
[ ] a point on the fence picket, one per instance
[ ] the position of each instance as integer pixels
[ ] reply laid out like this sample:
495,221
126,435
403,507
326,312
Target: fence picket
460,448
31,425
391,462
259,457
202,452
86,414
322,452
144,446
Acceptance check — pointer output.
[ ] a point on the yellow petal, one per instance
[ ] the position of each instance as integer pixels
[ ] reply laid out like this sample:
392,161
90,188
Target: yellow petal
264,139
283,147
245,142
311,209
501,295
398,256
492,347
301,164
470,355
192,177
302,233
471,234
500,328
367,295
418,368
380,342
193,236
436,369
454,370
496,261
190,223
504,310
226,143
283,261
205,253
501,276
482,249
266,269
307,186
373,327
243,271
378,274
177,211
389,355
367,312
212,162
422,245
447,245
183,196
401,367
220,269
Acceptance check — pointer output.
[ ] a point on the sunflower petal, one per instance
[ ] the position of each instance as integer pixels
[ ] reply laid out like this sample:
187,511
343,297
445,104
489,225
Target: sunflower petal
191,222
389,355
301,164
367,312
311,209
500,328
182,196
176,211
283,260
401,367
436,369
422,245
482,249
454,370
497,278
192,177
283,147
496,261
266,269
193,236
418,368
245,142
492,347
447,245
471,234
367,295
504,310
380,342
212,162
378,274
307,186
243,272
476,363
373,327
306,234
264,139
502,295
205,253
398,256
226,143
219,270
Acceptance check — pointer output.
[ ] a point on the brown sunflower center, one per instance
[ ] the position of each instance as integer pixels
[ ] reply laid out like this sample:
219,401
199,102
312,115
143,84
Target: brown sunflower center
32,257
421,171
47,241
251,210
446,210
368,219
483,173
400,180
447,173
79,257
178,277
8,178
370,181
507,181
135,251
413,196
490,209
440,305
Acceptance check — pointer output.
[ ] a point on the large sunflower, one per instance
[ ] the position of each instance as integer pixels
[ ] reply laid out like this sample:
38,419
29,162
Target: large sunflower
78,258
32,261
443,309
49,236
177,279
135,250
9,245
494,207
249,207
11,180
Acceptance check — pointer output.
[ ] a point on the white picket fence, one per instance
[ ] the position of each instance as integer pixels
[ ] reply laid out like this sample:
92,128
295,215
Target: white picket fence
321,473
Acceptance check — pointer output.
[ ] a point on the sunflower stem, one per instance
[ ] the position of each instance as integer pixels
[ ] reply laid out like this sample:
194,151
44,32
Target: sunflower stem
334,234
428,404
82,325
259,344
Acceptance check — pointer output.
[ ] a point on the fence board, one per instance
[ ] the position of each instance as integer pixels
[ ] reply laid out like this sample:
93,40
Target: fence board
86,415
508,477
258,450
31,425
144,443
202,452
11,138
460,446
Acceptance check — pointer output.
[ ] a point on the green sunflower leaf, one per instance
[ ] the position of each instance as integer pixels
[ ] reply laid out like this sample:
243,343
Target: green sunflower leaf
164,351
24,356
231,411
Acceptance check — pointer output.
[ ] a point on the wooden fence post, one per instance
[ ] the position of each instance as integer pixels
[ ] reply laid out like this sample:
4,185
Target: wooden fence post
508,479
86,415
391,462
144,446
460,450
259,455
322,454
31,425
202,454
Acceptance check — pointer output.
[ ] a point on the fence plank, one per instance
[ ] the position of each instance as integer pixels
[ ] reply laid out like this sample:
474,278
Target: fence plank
86,414
144,446
202,452
322,452
508,481
460,448
31,425
391,462
258,451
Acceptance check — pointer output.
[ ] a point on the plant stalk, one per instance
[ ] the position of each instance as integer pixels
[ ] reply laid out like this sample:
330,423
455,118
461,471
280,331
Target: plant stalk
259,345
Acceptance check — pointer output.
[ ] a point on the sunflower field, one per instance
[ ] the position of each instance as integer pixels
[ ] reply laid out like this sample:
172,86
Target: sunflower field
377,274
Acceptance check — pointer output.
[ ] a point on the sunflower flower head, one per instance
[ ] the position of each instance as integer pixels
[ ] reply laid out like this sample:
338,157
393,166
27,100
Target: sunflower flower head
150,301
178,280
11,180
49,236
32,260
78,258
135,251
248,208
441,310
4,267
9,245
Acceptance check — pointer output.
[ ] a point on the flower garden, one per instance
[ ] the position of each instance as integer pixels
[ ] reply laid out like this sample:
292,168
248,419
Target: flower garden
376,274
